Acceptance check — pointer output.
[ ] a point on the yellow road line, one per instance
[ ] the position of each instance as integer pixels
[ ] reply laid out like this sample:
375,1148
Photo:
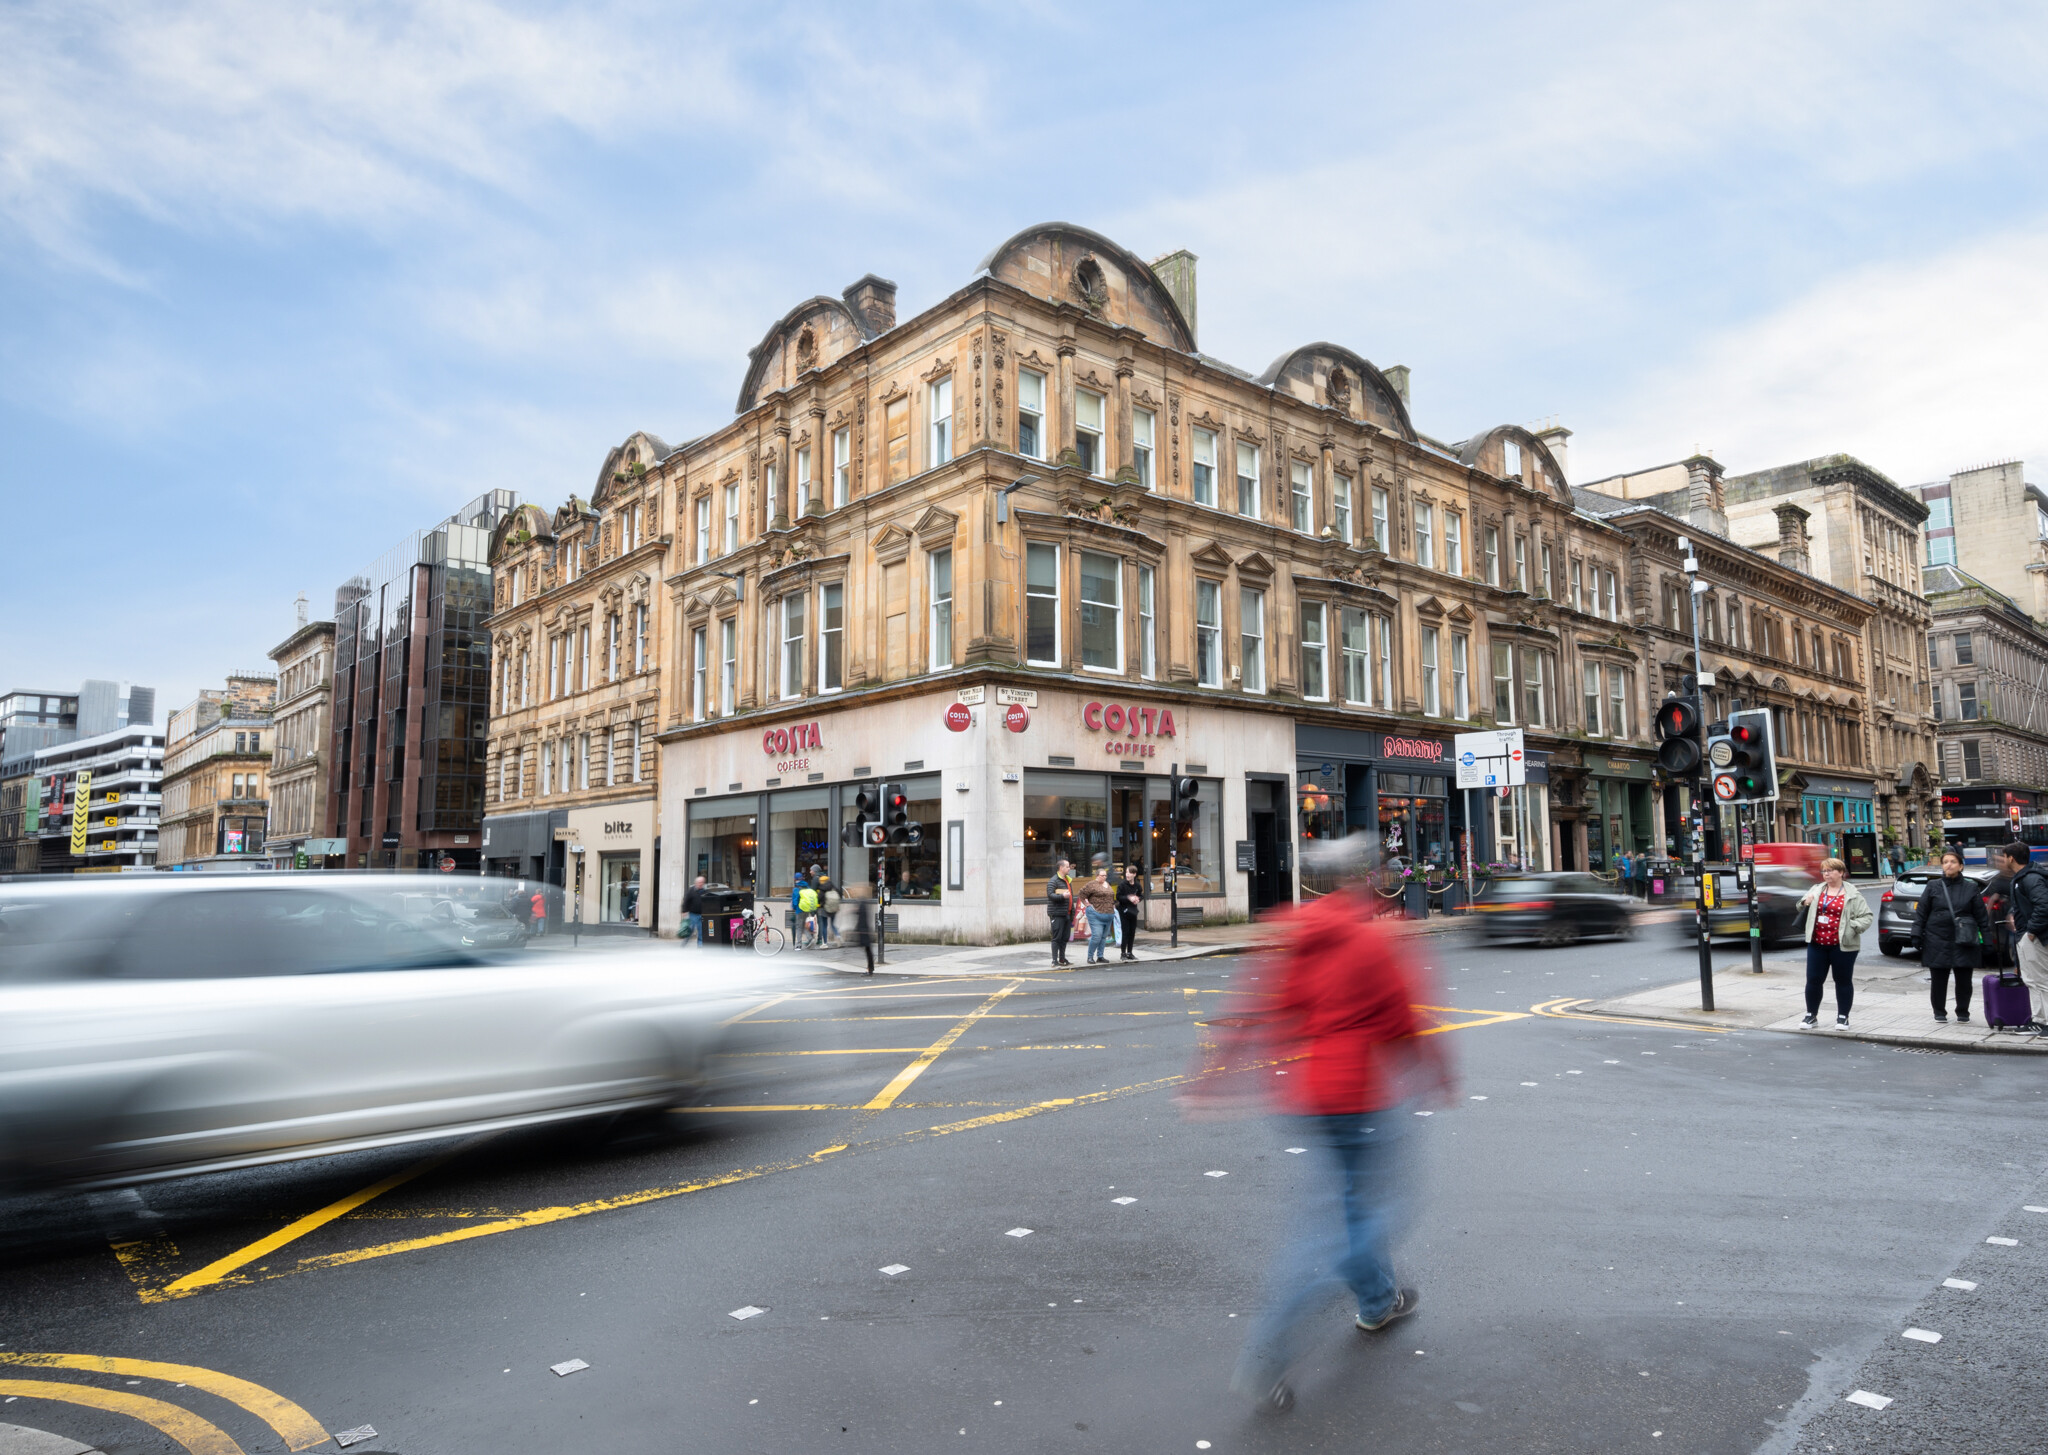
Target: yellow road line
200,1437
220,1268
886,1097
1008,1015
1554,1009
298,1430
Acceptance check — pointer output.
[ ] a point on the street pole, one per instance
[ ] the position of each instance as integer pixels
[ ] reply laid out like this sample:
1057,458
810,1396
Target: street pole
1701,792
1756,924
881,904
1471,845
1173,854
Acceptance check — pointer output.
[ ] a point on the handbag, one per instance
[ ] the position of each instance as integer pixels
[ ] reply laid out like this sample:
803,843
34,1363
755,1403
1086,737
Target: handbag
1967,935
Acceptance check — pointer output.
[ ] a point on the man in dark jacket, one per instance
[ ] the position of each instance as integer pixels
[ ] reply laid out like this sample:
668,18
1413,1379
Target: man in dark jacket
695,898
1059,908
2030,921
1951,925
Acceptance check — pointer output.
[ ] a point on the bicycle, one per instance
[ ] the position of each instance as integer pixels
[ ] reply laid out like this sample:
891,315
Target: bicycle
758,935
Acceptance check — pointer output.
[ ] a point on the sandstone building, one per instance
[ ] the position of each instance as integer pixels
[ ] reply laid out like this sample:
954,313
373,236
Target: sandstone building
302,736
216,762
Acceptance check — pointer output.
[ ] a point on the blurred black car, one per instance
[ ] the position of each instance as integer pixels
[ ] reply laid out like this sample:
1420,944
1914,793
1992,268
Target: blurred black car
1896,925
1778,891
1552,909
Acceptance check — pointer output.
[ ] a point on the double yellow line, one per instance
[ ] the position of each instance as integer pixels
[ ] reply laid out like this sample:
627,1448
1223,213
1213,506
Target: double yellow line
298,1430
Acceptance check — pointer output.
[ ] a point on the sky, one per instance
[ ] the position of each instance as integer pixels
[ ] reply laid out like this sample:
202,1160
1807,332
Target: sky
281,283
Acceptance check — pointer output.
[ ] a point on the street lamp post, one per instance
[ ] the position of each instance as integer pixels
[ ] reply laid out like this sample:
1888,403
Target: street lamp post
1700,792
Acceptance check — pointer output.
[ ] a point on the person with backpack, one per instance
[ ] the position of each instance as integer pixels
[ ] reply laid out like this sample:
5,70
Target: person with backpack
829,901
1837,914
2030,924
1951,924
807,913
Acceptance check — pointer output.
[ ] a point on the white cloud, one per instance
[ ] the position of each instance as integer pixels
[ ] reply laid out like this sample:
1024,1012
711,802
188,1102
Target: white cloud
1917,368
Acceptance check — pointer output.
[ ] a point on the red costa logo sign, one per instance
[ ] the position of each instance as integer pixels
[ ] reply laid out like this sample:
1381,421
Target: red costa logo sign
1423,748
1134,722
958,718
777,741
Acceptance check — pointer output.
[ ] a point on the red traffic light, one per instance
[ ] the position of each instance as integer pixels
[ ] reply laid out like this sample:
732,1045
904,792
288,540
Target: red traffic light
1742,733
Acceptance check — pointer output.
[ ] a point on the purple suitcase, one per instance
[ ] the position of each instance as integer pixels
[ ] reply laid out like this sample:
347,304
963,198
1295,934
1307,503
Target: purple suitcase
2006,1002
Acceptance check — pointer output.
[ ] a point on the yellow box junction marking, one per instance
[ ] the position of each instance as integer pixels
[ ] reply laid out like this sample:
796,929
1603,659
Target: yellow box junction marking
886,1097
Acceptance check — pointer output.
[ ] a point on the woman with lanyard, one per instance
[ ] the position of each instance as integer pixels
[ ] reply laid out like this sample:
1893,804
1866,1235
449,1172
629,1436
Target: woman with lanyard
1836,917
1952,924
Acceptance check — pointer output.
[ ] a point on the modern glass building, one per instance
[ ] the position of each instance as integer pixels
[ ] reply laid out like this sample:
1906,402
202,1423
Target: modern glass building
412,670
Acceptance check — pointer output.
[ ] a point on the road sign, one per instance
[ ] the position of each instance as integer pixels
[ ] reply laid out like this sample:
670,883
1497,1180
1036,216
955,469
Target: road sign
81,811
1491,759
447,864
958,718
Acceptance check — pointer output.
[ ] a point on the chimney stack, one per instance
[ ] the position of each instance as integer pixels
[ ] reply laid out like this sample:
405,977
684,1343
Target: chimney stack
1795,546
1398,377
873,301
1554,440
1177,271
1706,505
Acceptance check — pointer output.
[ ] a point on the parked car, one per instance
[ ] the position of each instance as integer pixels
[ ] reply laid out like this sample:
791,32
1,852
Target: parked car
1895,912
1780,915
1552,909
159,1026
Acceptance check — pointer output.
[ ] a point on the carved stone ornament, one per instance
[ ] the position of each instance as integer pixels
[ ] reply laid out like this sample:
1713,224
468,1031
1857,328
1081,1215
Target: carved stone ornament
940,369
894,392
806,350
1105,510
1090,286
636,589
1092,380
1338,388
1032,360
1144,397
1206,420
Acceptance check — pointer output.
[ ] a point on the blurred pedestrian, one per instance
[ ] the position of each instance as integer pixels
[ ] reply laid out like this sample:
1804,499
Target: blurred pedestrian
538,905
695,898
2030,923
1130,903
1897,856
1998,901
1098,896
1837,914
1951,924
1059,908
1624,872
863,904
1342,1017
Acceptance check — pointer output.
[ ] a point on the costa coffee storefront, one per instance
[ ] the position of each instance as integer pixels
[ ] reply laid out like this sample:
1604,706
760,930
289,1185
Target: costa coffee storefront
1003,781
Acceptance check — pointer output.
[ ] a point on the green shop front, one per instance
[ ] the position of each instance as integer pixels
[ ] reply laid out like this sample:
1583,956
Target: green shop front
1840,814
1617,809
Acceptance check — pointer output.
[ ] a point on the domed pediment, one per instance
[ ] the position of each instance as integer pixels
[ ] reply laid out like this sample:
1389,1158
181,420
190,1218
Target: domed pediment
815,333
1489,452
1336,378
632,458
1063,263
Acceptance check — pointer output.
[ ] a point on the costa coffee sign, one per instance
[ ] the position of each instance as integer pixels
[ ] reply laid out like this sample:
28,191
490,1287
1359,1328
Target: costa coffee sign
783,742
1131,724
1421,749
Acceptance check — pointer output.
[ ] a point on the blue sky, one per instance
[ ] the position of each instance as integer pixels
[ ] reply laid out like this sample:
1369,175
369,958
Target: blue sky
282,283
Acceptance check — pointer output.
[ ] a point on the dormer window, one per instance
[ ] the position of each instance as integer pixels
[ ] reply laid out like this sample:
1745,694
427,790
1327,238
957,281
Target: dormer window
1510,460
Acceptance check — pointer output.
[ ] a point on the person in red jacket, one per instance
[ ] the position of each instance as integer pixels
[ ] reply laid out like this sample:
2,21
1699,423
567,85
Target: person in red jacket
1341,1023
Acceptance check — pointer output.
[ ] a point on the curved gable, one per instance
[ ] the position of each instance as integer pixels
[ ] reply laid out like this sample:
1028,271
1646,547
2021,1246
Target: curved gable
1488,452
811,335
1336,378
528,518
628,460
1063,263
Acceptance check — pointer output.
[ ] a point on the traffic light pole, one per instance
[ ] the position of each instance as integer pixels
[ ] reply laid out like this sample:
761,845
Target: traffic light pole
881,905
1702,793
1756,924
1173,857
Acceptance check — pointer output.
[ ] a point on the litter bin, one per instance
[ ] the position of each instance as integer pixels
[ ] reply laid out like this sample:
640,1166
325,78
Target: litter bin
721,904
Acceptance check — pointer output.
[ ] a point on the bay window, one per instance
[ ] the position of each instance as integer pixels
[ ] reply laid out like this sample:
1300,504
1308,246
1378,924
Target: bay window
1589,673
728,666
732,519
842,466
1521,563
703,529
1384,626
699,666
1617,702
1492,539
803,479
1454,543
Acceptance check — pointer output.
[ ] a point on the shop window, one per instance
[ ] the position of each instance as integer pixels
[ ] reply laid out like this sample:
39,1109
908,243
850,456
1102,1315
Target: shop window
1088,430
1078,815
831,637
799,835
1340,508
941,630
1147,627
1461,685
896,436
793,645
1247,479
1208,634
1202,469
1315,653
722,842
1030,414
842,466
1101,612
1357,657
1141,446
939,411
1503,684
1432,692
1301,495
1251,620
916,874
620,897
1042,604
1381,533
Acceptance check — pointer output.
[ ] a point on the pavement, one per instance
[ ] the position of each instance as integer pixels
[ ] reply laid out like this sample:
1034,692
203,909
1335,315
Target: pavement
968,1213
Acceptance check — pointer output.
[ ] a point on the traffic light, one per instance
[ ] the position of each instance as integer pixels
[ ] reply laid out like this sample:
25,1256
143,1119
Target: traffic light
865,827
1187,800
896,825
1678,748
1752,765
1720,758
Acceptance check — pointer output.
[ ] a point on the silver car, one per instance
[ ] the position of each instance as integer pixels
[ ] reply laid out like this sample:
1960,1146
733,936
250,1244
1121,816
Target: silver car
161,1026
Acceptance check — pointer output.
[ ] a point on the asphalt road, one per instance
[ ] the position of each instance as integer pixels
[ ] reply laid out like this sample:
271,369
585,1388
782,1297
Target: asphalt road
1630,1237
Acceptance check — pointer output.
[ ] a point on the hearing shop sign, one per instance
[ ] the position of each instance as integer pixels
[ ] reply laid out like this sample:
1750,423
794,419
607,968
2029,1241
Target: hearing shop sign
1129,726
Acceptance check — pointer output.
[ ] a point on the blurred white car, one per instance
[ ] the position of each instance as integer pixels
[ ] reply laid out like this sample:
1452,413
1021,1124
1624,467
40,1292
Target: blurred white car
162,1026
